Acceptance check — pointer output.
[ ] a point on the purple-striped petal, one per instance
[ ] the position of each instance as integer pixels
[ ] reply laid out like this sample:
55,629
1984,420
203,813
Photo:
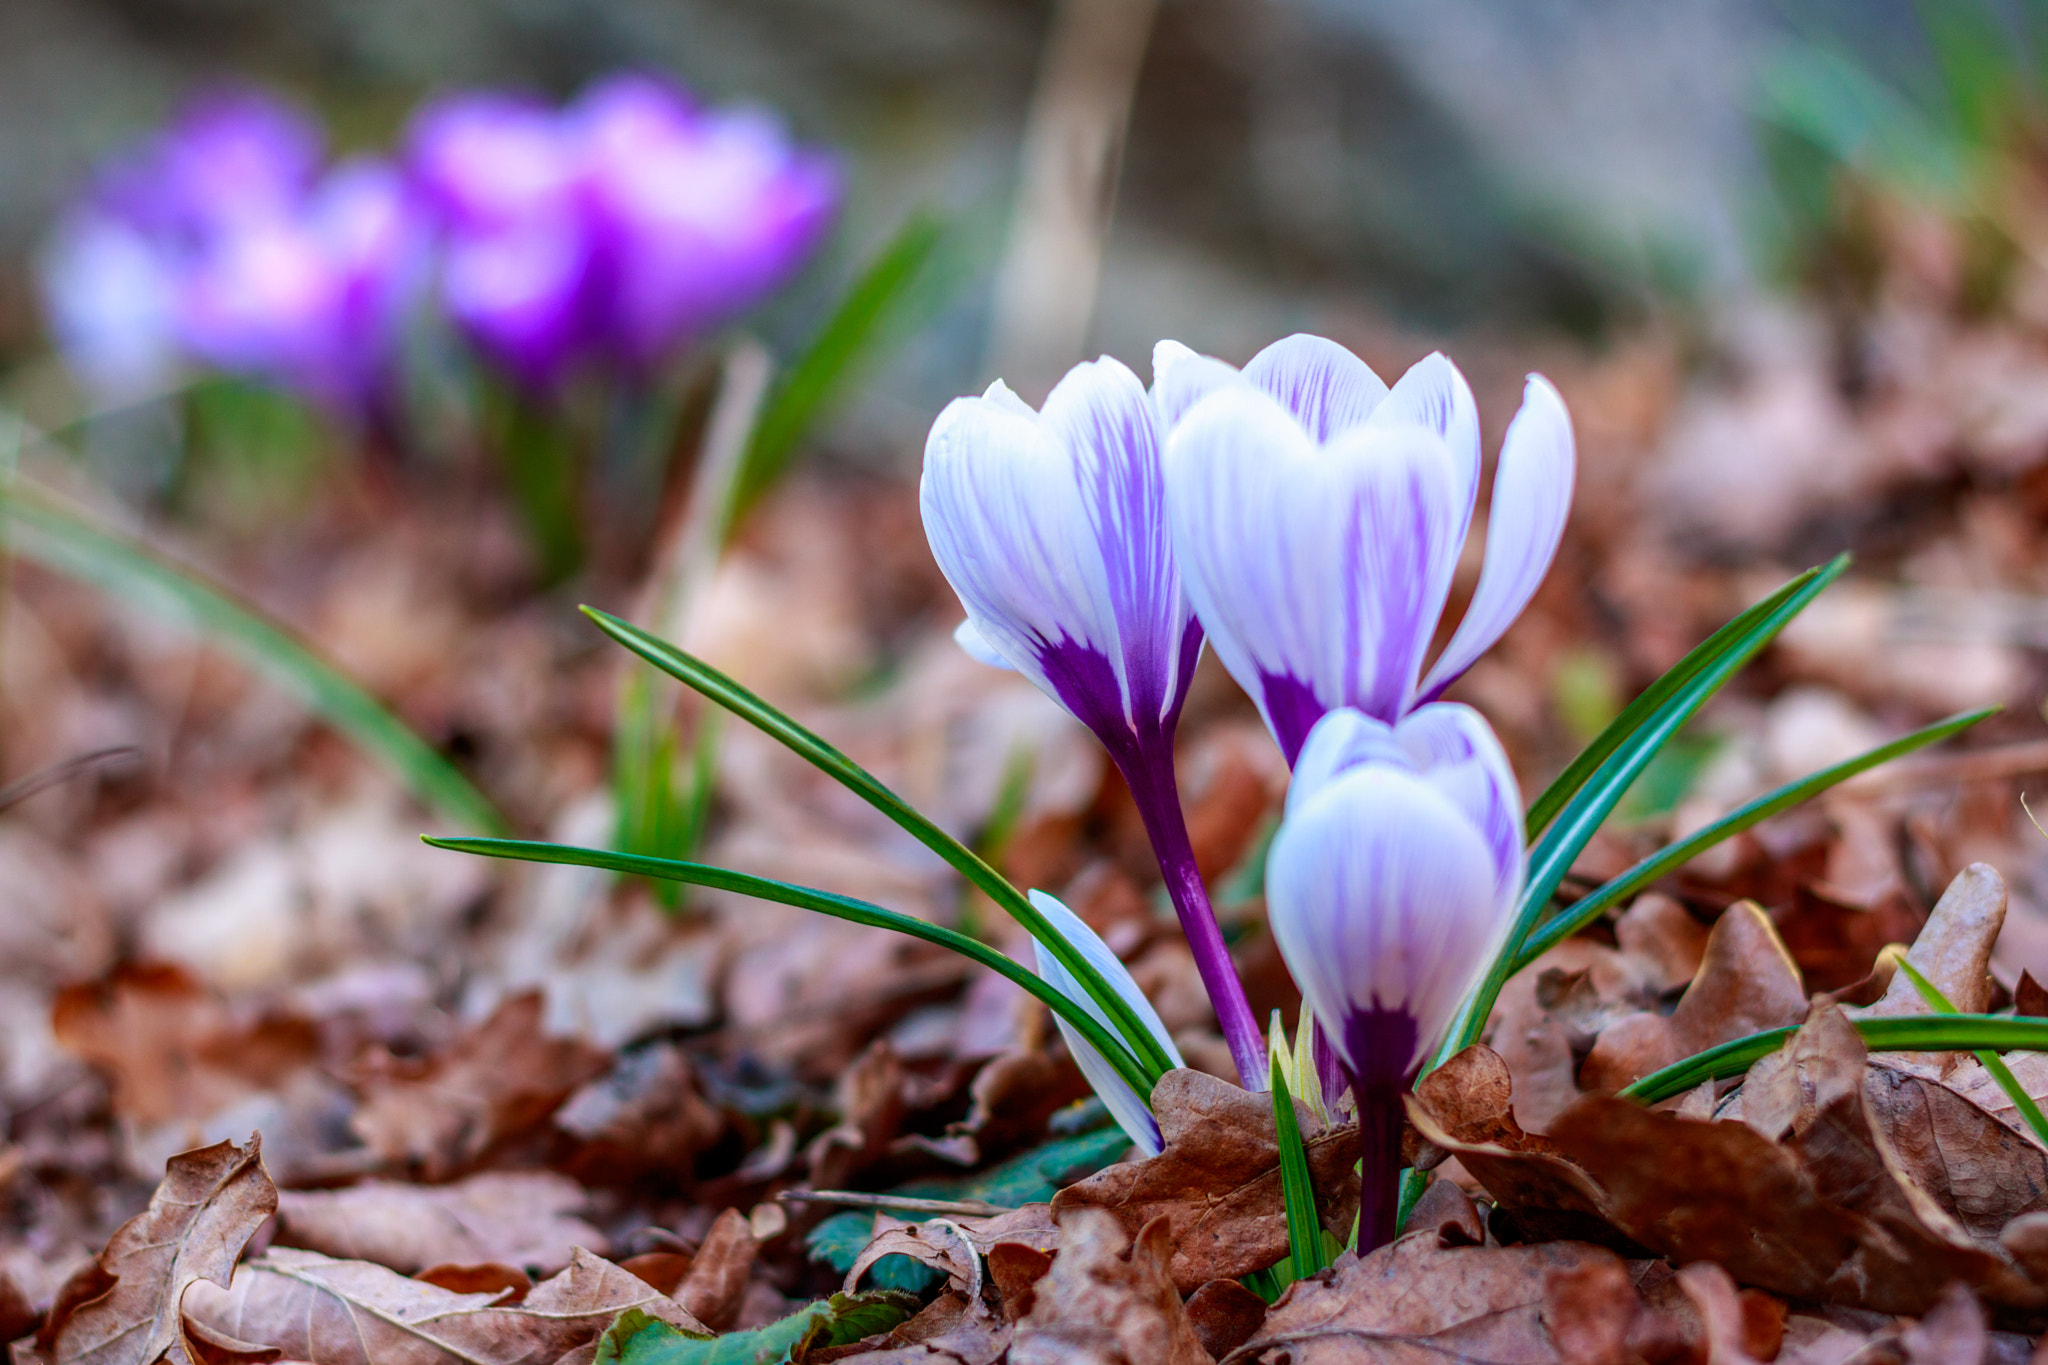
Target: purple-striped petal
1345,739
970,639
1328,389
1532,496
1382,900
1181,378
1434,394
1318,574
1457,753
1131,1112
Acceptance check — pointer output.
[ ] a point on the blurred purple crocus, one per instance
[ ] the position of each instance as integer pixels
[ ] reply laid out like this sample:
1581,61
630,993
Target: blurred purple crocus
220,240
618,229
1390,885
1051,526
1319,516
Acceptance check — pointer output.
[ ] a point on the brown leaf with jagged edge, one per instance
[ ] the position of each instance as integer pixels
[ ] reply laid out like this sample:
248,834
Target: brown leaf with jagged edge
210,1203
331,1312
1217,1183
1416,1301
497,1080
521,1218
1746,983
1108,1297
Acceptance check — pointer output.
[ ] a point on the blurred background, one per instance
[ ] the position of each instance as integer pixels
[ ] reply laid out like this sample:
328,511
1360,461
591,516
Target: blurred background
347,345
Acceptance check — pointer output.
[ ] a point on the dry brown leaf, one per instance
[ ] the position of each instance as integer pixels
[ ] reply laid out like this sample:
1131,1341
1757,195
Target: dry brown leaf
1108,1298
1449,1212
171,1047
1746,983
210,1203
938,1243
1217,1183
645,1116
18,1317
1953,1332
717,1278
331,1312
1225,1315
869,1098
521,1218
496,1081
951,1330
1415,1301
1742,1327
1015,1270
1953,949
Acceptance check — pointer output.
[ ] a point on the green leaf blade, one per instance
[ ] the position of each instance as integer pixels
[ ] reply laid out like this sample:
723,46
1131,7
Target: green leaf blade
823,902
1304,1227
637,1339
1583,912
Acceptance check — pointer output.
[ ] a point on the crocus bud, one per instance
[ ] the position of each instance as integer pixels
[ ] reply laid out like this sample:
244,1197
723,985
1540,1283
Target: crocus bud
1051,526
1129,1109
1390,885
1318,517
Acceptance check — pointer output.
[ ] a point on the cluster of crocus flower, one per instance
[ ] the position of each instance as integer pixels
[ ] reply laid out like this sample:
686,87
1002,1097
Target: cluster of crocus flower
1307,520
610,233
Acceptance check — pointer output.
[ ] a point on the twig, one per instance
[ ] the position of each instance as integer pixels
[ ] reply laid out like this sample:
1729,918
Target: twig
854,1199
16,792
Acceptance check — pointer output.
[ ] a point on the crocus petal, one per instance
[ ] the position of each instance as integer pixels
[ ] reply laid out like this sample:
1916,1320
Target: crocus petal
969,638
1381,897
1182,378
1433,394
1130,1111
1318,573
1328,389
1344,739
1458,754
1532,496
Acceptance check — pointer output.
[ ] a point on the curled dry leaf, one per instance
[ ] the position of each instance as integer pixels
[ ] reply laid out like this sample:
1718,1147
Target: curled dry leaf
330,1312
1953,949
210,1203
1416,1301
870,1101
937,1242
496,1081
519,1218
1746,983
1108,1298
717,1279
1217,1183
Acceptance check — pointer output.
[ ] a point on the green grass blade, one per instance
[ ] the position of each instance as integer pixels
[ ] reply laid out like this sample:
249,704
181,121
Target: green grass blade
1584,912
702,677
1638,712
1304,1228
825,903
1596,797
1993,1063
60,538
875,311
1909,1033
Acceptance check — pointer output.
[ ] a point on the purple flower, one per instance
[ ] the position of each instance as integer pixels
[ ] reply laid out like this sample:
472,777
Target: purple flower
314,299
1389,887
229,155
621,228
1051,526
1129,1109
1319,517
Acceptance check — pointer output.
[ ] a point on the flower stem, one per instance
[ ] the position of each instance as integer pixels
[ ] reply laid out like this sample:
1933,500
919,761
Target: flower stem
1380,1118
1152,783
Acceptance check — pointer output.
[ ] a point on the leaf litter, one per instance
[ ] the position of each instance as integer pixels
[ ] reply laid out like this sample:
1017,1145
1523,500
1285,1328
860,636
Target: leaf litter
524,1114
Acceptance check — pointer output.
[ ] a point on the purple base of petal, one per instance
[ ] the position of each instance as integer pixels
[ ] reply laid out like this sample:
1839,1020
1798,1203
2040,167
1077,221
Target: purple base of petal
1382,1045
1087,685
1292,710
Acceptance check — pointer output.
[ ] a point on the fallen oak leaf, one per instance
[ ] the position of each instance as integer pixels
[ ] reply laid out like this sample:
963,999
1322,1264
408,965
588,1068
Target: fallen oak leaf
520,1218
1217,1180
211,1201
333,1312
1952,950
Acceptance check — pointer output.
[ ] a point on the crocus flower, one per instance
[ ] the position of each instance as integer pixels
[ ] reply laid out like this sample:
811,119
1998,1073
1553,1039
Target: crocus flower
1051,526
698,214
1129,1109
1390,885
229,155
1319,516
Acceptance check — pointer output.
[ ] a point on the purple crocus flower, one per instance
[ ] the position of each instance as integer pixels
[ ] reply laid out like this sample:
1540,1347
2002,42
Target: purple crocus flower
1125,1105
1051,526
315,298
229,155
698,214
1319,516
1390,886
